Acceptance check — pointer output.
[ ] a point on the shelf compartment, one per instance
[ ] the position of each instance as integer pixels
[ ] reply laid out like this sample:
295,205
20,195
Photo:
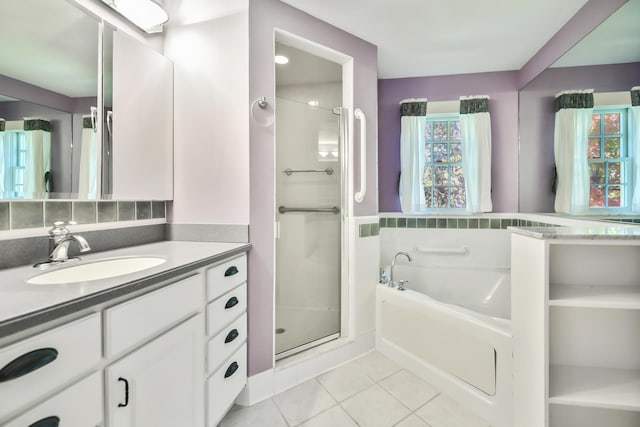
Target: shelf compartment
594,387
575,416
615,297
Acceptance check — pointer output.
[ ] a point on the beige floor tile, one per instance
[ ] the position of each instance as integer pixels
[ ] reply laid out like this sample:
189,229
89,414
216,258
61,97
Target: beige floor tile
263,414
377,366
409,389
374,407
445,412
412,421
304,401
345,381
334,417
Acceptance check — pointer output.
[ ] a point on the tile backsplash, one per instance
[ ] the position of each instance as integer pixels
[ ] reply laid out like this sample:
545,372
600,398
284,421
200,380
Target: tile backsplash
459,223
16,215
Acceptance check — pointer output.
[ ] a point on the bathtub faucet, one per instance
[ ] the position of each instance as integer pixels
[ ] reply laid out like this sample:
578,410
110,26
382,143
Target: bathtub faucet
392,283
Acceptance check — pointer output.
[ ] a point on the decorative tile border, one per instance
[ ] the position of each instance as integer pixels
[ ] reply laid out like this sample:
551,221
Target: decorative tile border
459,223
15,215
368,230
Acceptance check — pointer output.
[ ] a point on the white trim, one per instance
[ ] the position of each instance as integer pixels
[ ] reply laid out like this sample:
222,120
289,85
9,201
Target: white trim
572,91
405,101
464,98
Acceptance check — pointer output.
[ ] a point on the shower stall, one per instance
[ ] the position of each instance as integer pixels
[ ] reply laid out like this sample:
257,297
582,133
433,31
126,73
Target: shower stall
310,175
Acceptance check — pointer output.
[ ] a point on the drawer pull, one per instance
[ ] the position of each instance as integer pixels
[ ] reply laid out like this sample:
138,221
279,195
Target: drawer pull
233,301
28,362
126,393
231,336
231,369
231,271
47,422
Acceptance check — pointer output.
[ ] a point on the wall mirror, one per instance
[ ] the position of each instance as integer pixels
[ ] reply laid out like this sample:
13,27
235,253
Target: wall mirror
606,60
48,91
77,125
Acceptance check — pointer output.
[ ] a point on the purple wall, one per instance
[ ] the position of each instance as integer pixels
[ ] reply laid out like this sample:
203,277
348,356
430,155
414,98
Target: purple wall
537,123
503,107
264,17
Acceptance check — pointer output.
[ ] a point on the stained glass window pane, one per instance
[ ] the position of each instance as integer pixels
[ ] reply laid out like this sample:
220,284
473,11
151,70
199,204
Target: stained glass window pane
427,178
596,173
612,148
454,130
456,176
427,131
612,123
595,125
596,196
428,196
458,197
440,197
440,131
441,175
614,173
613,196
439,153
594,148
455,153
428,157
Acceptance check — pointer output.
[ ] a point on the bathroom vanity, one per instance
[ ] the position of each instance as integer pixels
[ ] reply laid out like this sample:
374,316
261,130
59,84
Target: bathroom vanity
165,346
575,304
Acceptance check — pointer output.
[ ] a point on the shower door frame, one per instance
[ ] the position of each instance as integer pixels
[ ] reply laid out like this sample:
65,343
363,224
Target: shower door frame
346,189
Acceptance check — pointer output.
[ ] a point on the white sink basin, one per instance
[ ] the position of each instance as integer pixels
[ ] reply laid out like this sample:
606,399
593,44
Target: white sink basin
96,270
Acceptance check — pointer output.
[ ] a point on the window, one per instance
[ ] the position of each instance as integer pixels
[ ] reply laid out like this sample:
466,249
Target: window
608,159
442,178
15,152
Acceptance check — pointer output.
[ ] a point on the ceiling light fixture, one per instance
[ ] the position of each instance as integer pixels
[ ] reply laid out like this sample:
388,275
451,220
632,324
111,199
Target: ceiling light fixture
281,59
149,15
314,103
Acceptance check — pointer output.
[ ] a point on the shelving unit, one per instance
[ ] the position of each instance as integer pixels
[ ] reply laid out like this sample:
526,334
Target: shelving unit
576,325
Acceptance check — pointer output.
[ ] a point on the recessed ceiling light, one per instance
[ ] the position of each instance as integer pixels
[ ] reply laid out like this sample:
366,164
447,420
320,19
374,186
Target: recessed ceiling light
281,59
314,103
146,14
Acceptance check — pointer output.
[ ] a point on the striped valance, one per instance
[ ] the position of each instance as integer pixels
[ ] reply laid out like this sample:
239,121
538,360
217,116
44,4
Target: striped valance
37,124
635,96
574,99
473,105
87,122
413,107
2,124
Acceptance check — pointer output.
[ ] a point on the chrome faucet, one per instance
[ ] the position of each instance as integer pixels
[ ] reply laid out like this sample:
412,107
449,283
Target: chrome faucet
59,240
392,283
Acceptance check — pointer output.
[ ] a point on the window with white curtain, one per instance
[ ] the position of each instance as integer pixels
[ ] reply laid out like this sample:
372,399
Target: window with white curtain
443,178
609,157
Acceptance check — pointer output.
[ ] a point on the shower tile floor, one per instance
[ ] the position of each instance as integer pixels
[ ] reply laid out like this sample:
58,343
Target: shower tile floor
369,391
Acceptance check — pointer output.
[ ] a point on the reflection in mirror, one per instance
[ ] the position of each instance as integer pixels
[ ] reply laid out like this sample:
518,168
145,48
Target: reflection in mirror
48,79
607,61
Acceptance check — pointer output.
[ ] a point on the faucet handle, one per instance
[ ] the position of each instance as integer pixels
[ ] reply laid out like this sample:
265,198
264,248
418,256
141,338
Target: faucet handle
59,228
401,284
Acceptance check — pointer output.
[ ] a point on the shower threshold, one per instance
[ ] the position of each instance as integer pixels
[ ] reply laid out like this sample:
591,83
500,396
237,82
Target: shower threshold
307,346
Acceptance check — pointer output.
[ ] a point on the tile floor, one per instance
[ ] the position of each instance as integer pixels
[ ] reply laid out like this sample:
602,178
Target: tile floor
371,391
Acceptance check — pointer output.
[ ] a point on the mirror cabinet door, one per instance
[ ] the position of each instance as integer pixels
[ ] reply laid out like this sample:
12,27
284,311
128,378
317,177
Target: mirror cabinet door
142,121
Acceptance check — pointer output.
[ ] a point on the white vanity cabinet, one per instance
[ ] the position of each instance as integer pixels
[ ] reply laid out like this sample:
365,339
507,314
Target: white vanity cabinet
226,336
576,331
161,382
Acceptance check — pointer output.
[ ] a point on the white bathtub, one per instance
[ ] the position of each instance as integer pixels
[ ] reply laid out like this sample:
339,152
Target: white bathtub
452,328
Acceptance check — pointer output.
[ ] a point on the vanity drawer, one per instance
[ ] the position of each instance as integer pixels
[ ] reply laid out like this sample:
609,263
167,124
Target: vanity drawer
36,366
225,384
222,311
78,406
226,276
226,342
142,318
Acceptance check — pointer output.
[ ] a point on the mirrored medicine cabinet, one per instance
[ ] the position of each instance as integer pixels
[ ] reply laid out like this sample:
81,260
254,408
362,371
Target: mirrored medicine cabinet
85,109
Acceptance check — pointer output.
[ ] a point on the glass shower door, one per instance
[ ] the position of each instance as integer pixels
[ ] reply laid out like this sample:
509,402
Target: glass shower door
308,203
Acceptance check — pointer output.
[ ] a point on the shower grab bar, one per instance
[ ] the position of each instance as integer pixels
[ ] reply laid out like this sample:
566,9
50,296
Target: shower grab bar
463,250
289,171
333,209
363,155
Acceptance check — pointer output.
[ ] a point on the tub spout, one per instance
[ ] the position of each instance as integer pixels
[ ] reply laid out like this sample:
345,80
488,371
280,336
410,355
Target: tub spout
392,283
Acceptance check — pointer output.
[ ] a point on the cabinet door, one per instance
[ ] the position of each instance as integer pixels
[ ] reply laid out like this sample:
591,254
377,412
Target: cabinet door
160,384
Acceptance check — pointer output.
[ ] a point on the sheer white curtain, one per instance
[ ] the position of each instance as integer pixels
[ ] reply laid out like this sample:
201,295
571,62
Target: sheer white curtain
88,174
412,122
2,157
635,146
38,157
571,136
475,132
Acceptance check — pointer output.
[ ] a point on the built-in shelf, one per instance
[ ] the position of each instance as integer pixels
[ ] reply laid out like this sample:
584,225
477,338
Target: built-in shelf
594,387
617,297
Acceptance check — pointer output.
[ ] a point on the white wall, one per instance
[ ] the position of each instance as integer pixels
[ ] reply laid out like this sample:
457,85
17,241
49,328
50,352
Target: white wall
209,45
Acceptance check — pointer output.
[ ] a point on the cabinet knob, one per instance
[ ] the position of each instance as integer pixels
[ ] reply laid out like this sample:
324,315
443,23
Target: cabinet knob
231,336
231,271
232,302
47,422
27,363
126,393
231,369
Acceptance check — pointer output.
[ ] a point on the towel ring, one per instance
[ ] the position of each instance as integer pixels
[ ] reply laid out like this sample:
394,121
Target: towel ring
263,105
